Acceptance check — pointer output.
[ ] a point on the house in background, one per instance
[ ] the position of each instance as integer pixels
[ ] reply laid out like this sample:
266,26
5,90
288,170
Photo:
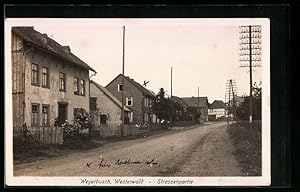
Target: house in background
217,110
107,111
182,109
136,97
48,82
200,104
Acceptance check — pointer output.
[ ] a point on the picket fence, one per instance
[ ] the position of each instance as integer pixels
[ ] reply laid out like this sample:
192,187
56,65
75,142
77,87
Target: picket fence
42,134
110,130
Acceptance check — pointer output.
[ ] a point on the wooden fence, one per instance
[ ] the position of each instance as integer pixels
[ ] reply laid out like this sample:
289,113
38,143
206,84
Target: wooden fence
48,135
110,130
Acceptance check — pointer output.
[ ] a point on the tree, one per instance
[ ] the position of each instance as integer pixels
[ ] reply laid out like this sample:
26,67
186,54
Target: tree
243,109
161,106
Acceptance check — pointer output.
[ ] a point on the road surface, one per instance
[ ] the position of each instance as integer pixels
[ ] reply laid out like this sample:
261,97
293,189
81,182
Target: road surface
204,150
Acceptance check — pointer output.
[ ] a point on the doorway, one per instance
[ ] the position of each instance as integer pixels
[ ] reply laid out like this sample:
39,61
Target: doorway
62,113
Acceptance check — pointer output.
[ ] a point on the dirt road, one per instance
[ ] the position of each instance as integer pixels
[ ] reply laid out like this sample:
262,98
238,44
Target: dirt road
202,151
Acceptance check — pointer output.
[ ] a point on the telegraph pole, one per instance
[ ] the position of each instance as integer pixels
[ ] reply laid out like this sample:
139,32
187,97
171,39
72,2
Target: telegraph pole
123,66
198,105
230,94
250,51
171,115
250,68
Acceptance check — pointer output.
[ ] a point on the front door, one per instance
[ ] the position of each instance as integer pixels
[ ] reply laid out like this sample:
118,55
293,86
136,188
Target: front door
62,113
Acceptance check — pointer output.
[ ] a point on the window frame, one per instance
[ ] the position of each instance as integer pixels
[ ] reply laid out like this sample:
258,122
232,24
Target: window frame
146,120
76,85
100,119
64,82
48,115
130,116
47,77
37,74
146,102
37,112
127,99
120,86
82,86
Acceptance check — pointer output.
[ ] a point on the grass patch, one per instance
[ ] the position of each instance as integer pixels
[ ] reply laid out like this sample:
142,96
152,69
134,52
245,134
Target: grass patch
24,152
247,142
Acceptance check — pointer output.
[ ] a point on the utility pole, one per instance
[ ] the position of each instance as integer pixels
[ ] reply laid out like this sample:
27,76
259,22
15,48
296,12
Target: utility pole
250,68
123,66
198,106
230,94
198,97
250,51
171,107
228,105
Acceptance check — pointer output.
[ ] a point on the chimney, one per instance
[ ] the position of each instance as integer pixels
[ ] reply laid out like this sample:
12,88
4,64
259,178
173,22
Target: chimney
66,49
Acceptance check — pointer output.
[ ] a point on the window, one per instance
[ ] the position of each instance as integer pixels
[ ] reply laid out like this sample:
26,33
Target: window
120,87
34,74
82,87
76,86
34,114
103,119
129,101
130,115
146,117
146,102
45,77
45,113
62,82
93,103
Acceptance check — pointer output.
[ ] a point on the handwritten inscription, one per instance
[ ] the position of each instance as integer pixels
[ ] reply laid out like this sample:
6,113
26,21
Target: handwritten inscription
121,162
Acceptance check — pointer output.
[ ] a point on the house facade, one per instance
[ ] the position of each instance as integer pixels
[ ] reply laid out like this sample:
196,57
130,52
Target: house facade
136,97
48,81
199,104
106,110
182,112
217,110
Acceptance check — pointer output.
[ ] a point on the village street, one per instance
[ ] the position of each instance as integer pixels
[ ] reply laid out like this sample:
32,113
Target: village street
205,150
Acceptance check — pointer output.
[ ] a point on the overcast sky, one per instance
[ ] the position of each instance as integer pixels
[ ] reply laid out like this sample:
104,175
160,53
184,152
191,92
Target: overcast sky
202,52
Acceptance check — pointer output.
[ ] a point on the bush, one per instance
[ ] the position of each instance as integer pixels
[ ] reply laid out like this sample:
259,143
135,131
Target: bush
247,142
82,121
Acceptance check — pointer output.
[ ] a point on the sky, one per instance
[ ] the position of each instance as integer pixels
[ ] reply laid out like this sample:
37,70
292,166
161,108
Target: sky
202,52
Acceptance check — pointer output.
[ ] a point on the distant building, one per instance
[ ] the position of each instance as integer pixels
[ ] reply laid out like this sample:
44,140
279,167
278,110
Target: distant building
106,104
182,112
217,109
136,97
198,103
106,108
48,81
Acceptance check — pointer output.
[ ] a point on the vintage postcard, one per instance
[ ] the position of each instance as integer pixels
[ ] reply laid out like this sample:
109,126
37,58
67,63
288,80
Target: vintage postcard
137,102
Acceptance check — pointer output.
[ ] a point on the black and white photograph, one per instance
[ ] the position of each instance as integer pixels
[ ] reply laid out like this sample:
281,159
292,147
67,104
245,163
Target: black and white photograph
137,101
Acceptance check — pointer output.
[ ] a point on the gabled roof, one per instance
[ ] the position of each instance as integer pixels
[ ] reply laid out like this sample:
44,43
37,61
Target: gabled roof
218,104
45,43
179,101
193,101
109,95
136,84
